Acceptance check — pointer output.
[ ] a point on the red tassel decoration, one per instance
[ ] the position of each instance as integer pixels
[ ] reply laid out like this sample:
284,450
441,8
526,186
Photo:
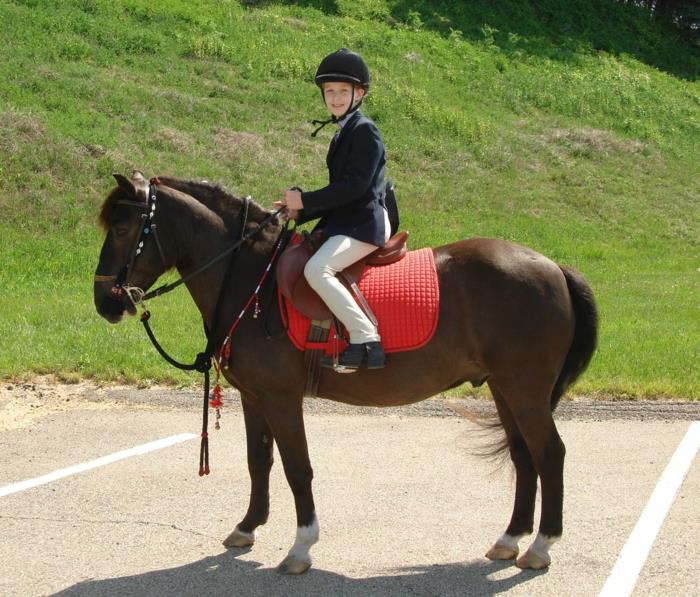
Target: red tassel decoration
217,399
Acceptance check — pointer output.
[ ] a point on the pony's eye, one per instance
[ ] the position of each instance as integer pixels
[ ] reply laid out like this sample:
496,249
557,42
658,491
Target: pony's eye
120,230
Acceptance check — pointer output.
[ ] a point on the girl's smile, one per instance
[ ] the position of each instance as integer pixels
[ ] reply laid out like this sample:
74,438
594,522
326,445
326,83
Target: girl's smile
338,96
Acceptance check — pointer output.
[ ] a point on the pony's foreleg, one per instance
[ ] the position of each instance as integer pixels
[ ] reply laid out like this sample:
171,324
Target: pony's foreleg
522,519
287,424
260,443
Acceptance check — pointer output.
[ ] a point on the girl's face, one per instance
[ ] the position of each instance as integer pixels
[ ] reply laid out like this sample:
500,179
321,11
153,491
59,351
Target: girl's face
338,96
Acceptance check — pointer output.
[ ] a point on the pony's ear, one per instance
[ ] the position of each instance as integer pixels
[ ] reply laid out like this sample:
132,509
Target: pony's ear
140,184
125,184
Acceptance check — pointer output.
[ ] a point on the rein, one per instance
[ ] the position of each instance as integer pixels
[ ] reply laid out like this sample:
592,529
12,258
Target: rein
203,360
161,290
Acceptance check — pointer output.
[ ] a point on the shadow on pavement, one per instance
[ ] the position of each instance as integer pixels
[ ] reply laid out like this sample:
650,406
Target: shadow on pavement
225,575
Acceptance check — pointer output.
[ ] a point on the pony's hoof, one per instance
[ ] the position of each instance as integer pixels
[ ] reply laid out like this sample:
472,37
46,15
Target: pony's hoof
239,539
533,561
293,565
502,552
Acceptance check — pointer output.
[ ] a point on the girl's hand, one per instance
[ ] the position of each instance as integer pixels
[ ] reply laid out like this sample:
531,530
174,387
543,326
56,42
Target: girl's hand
292,199
291,213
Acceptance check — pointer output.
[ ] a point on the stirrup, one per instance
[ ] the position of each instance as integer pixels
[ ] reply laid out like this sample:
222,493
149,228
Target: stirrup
369,354
349,361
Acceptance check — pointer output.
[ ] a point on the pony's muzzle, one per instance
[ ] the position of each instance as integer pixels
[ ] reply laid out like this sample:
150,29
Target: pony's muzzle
109,300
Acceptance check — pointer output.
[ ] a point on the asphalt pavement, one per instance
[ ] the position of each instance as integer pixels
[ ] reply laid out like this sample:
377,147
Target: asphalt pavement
405,504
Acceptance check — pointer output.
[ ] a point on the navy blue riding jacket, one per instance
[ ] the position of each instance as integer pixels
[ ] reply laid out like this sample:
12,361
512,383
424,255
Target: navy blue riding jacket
352,204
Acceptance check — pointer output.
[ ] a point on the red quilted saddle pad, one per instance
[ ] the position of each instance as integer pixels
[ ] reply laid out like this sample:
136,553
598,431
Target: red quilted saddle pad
404,296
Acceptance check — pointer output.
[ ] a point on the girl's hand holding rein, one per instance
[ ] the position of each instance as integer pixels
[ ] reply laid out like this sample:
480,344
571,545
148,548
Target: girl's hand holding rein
292,199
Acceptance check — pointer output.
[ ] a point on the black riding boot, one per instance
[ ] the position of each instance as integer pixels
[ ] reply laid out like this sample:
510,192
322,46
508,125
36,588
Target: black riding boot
355,356
376,359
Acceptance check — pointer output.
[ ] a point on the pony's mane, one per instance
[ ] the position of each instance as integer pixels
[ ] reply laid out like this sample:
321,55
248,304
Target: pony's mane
228,206
215,197
107,211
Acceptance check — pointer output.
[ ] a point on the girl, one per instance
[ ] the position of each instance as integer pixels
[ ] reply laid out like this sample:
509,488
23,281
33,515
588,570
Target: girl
351,207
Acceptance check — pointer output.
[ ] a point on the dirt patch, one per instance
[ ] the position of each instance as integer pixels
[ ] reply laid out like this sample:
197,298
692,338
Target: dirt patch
588,142
295,23
174,140
234,145
23,402
243,149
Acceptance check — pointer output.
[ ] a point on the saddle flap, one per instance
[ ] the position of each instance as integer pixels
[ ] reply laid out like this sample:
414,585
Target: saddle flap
292,283
290,267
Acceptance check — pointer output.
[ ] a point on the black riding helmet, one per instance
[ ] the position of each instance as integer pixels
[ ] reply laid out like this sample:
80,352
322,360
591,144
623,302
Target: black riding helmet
345,66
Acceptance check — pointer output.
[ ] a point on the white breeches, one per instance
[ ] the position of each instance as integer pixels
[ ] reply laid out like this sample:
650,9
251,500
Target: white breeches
337,253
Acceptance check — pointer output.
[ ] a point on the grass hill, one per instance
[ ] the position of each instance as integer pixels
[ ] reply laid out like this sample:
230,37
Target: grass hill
572,128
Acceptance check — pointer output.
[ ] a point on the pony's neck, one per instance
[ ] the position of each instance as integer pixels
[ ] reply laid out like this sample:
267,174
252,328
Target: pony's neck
202,235
198,235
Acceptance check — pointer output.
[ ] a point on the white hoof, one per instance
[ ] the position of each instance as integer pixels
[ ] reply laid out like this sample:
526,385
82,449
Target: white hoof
298,559
294,565
506,548
502,552
533,561
537,556
239,539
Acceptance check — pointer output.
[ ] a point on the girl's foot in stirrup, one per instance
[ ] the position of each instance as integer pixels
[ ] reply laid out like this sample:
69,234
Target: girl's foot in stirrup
369,354
352,358
376,359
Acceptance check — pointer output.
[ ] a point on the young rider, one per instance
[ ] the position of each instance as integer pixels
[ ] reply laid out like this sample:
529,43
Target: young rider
351,207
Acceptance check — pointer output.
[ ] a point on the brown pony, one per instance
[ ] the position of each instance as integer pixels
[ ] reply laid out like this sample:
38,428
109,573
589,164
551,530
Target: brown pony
508,317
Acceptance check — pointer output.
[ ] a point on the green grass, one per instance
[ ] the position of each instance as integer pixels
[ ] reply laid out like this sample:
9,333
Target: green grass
572,128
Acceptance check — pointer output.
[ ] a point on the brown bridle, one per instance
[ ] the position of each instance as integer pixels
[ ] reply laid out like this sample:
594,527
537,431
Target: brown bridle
148,228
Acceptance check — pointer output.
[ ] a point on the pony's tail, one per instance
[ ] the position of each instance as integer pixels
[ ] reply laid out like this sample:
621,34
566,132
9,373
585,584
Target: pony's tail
585,332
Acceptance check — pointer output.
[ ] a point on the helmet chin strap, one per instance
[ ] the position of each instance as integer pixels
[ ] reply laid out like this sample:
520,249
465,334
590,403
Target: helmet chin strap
353,106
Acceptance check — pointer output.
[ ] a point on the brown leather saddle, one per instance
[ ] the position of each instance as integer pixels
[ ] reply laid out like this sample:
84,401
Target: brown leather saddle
293,285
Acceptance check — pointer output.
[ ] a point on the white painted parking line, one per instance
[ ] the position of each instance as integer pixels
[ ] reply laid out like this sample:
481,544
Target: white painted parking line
633,555
86,466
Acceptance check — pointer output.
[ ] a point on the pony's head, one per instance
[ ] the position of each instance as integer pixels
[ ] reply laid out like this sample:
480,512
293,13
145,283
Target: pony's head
168,222
132,254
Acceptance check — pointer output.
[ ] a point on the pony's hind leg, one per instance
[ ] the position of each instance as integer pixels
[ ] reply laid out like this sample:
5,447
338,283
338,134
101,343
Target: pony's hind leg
260,442
521,522
531,431
548,453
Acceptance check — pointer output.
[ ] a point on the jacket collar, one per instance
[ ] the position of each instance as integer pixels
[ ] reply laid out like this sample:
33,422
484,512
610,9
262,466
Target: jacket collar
342,133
